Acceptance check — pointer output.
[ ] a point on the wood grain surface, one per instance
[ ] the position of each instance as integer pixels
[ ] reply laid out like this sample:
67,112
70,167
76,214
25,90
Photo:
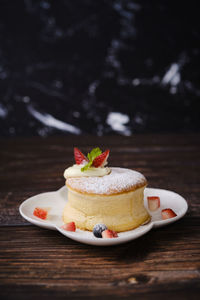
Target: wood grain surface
38,263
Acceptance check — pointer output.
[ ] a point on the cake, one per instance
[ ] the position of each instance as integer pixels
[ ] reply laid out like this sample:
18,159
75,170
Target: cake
97,194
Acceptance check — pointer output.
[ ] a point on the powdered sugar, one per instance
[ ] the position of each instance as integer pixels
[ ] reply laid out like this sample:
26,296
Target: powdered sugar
117,181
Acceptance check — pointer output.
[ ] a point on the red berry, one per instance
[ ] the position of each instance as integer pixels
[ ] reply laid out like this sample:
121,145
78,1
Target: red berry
101,160
168,213
153,203
108,234
114,233
69,226
79,156
40,213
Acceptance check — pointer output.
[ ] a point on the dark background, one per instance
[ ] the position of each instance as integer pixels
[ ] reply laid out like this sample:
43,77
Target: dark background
99,67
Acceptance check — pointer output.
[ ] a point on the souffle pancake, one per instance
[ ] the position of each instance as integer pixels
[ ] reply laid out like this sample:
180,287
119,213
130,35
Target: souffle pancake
102,195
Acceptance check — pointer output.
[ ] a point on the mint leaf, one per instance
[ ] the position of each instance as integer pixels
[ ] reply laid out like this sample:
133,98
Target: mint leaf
86,166
94,153
91,156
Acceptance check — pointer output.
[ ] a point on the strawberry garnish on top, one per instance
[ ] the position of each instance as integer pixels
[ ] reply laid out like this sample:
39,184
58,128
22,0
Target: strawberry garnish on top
101,160
79,156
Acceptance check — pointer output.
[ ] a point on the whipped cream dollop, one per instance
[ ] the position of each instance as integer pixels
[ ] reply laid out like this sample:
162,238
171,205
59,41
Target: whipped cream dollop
75,171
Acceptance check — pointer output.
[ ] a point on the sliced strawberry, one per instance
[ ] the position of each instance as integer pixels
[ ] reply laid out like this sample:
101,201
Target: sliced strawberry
168,213
40,213
101,160
153,203
114,233
69,226
108,234
79,156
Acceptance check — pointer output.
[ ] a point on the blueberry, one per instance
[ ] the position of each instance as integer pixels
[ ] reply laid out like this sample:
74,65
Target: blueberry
98,229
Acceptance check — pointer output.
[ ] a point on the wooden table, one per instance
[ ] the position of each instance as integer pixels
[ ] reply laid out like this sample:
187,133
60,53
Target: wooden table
41,264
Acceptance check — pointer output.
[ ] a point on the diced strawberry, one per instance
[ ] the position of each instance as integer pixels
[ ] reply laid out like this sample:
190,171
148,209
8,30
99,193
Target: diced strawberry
108,234
168,213
69,226
79,156
40,213
101,160
114,233
153,203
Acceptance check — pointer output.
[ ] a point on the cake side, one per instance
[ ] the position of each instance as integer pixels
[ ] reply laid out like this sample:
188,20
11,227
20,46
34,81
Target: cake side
120,212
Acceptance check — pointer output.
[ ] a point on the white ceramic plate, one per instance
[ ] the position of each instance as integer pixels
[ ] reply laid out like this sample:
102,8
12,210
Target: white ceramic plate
57,200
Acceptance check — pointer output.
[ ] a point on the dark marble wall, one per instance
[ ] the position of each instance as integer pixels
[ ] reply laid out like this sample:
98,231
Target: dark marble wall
99,67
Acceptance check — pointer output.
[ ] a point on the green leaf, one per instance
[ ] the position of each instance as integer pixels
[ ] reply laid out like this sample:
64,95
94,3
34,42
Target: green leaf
86,167
91,156
94,153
